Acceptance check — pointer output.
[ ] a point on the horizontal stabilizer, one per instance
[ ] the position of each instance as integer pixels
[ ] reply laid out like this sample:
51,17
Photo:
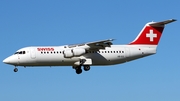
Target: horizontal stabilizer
161,23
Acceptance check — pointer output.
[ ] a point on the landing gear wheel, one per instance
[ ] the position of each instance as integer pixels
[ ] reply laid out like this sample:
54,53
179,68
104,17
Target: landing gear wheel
15,69
86,67
79,71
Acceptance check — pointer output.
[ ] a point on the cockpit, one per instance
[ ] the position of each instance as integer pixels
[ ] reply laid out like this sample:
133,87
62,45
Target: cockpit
20,52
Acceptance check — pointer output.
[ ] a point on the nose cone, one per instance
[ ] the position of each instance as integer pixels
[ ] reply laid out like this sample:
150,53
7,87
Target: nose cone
6,61
11,60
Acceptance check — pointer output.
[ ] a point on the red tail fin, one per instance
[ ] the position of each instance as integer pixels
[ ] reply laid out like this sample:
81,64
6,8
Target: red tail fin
151,33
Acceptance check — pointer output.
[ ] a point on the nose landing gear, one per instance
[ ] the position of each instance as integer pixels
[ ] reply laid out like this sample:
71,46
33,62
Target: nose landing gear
15,69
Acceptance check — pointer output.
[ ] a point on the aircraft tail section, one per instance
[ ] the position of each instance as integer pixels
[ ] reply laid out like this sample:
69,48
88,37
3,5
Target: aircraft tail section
151,33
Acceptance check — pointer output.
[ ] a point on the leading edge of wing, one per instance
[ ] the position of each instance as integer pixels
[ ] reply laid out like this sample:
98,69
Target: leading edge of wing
100,41
94,43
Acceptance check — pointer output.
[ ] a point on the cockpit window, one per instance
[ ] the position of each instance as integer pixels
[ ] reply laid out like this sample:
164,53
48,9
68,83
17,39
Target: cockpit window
16,53
20,52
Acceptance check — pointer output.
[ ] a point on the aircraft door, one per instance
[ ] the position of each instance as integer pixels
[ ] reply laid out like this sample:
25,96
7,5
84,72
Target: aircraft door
33,53
18,58
127,53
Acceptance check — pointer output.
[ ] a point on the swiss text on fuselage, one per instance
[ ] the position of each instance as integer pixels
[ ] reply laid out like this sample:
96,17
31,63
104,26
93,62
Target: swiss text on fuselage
45,49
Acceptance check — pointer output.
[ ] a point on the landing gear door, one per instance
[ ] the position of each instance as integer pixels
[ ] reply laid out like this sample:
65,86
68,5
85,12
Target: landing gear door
33,53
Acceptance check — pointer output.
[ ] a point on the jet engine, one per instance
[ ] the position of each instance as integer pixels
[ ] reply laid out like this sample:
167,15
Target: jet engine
74,52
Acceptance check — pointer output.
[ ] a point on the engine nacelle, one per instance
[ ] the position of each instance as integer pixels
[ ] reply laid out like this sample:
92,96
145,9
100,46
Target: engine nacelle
74,52
68,53
78,51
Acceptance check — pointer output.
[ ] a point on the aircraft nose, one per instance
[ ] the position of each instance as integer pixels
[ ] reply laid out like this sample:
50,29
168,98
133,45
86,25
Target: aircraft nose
6,61
10,60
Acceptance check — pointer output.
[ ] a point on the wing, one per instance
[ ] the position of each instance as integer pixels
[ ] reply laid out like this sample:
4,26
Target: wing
102,44
96,45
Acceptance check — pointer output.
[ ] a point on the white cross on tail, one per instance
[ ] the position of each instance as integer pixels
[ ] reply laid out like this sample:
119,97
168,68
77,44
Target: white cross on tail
151,35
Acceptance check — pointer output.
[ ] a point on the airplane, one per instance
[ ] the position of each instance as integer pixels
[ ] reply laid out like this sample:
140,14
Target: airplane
98,53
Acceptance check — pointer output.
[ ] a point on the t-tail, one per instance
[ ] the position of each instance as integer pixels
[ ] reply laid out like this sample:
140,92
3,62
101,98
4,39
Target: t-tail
151,34
147,41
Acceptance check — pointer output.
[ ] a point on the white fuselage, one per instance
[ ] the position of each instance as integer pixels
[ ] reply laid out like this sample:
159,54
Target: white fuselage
115,54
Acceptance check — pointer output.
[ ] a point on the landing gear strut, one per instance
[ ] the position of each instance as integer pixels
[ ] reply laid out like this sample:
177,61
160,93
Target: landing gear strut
15,69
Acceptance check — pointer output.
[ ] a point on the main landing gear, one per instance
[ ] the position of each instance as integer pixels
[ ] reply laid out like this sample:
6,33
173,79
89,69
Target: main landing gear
86,67
79,70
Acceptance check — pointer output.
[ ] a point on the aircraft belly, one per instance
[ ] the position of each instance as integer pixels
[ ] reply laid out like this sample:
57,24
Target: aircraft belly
105,59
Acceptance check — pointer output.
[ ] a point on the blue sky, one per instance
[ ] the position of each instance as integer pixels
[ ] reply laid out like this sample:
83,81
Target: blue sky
55,22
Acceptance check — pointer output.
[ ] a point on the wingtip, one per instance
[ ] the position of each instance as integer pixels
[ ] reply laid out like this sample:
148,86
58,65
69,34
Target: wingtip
173,19
111,39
